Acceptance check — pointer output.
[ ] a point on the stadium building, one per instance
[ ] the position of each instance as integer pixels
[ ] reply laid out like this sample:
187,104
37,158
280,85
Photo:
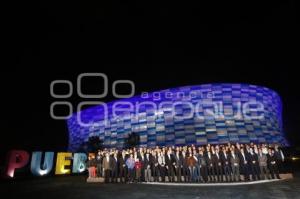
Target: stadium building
200,114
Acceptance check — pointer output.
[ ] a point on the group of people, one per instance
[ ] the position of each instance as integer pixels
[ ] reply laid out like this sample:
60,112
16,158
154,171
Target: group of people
210,163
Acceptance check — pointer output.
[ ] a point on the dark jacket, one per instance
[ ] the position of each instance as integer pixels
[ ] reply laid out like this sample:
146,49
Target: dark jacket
253,159
209,161
169,160
225,159
247,158
217,161
202,160
91,163
148,161
178,160
121,161
113,163
272,160
98,159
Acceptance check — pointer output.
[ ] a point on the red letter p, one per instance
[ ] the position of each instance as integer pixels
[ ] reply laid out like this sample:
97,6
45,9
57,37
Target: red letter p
16,159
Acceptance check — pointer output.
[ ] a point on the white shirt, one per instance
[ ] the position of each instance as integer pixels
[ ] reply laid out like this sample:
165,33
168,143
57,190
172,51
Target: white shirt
161,160
282,156
196,158
265,150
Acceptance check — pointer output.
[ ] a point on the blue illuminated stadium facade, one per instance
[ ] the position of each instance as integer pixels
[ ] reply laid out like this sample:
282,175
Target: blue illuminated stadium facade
158,126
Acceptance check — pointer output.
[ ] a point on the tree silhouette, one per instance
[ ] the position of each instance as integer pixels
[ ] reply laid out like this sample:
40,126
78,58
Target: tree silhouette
133,140
94,143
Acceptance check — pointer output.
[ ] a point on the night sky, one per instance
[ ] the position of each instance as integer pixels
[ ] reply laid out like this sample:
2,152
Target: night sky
157,45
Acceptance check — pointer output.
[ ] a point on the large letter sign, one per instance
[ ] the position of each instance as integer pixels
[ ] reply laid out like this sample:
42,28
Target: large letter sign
36,168
79,162
16,159
63,160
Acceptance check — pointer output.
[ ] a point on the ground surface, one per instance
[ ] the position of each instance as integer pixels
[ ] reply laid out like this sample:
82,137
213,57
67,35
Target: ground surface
73,187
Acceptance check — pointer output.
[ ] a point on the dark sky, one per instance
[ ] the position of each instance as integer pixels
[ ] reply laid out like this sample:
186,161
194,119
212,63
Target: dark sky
157,45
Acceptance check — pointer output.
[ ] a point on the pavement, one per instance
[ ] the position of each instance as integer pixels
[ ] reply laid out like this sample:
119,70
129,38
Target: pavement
73,187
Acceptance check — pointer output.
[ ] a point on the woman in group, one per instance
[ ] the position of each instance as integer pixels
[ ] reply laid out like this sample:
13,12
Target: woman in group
89,166
138,169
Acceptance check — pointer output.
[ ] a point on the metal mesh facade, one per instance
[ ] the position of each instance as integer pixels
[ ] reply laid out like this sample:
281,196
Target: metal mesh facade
201,114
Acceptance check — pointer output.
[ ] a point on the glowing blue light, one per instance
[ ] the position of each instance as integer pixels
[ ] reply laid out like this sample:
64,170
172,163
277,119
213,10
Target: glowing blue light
150,116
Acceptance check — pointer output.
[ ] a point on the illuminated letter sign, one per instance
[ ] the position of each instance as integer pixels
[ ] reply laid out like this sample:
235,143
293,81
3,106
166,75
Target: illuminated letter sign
79,162
36,159
16,159
63,160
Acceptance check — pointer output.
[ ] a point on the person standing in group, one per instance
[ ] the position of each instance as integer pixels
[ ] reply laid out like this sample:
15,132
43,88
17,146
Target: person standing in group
99,159
203,166
130,163
185,167
280,158
235,166
263,165
122,166
155,166
170,162
162,164
192,167
106,163
178,164
138,169
141,157
91,167
197,174
253,157
211,169
218,165
244,157
147,166
272,162
226,164
114,167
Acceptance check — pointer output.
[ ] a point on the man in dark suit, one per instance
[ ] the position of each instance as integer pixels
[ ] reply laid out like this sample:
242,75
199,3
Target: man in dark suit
272,163
254,167
99,158
170,163
185,167
211,168
263,165
114,167
244,158
162,165
203,166
141,157
107,166
122,166
147,166
280,158
225,157
235,165
155,167
218,165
